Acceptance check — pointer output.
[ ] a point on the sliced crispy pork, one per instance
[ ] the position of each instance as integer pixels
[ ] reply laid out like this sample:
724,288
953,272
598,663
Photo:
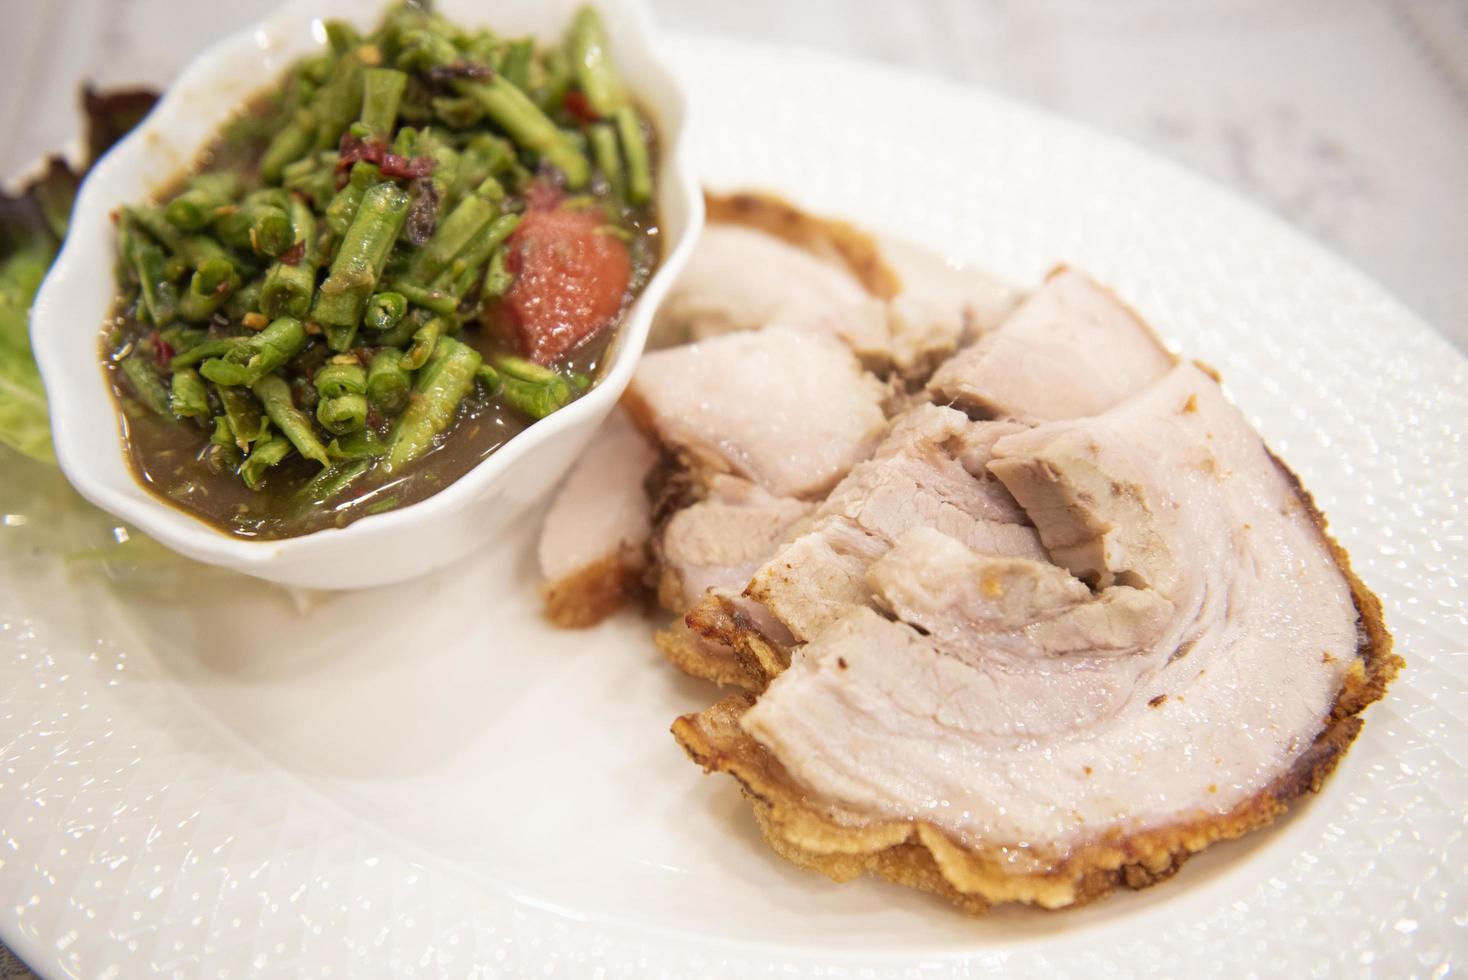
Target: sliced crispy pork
593,544
741,278
930,471
790,410
718,542
1070,350
1041,742
941,305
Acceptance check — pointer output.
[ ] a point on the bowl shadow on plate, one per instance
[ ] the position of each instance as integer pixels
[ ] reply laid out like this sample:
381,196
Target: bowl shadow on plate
375,683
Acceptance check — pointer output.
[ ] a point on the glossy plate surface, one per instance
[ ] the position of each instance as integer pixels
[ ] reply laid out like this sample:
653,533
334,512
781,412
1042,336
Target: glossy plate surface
200,774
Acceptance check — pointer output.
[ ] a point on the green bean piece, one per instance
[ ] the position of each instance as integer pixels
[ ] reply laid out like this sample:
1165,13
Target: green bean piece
556,75
313,176
222,455
424,49
338,101
490,378
385,310
152,221
197,251
516,63
442,385
267,453
435,301
258,355
242,413
608,157
204,350
464,223
359,261
244,300
497,278
591,60
487,156
289,145
388,382
256,226
425,342
183,339
531,389
517,115
382,93
293,423
342,37
462,272
343,207
342,414
204,195
145,261
327,485
634,148
210,286
147,387
457,111
188,397
342,375
363,444
288,287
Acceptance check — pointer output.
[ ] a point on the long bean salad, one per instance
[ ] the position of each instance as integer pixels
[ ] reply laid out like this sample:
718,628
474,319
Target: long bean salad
422,230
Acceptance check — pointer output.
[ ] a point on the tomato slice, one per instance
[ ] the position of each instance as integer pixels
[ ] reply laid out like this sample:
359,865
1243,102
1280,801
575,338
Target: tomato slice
571,277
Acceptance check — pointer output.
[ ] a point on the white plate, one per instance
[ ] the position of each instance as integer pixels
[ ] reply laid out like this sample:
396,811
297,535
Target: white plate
199,778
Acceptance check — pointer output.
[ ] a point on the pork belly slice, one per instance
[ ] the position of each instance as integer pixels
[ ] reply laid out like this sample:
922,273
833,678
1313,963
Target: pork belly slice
787,409
718,542
1071,350
940,306
593,543
930,471
1040,742
740,278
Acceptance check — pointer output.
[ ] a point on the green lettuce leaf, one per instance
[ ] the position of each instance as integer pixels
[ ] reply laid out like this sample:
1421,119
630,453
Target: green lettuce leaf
32,224
24,424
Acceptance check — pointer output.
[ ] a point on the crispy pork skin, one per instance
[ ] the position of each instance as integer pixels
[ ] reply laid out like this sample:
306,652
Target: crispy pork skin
787,409
593,543
1014,733
1070,350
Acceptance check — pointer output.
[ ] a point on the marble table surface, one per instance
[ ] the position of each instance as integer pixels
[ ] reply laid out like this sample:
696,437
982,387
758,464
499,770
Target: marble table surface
1347,118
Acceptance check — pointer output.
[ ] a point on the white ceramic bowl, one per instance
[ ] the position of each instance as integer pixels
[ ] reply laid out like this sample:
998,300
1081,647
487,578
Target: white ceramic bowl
78,294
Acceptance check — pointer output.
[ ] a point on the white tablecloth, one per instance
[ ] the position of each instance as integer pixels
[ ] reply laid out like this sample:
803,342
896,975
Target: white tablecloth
1348,118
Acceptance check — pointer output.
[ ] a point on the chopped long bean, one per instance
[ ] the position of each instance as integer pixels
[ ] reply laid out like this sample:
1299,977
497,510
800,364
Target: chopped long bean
444,383
634,148
147,386
267,453
388,382
289,285
358,265
293,423
382,93
188,396
517,115
592,63
202,199
248,362
531,389
242,414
